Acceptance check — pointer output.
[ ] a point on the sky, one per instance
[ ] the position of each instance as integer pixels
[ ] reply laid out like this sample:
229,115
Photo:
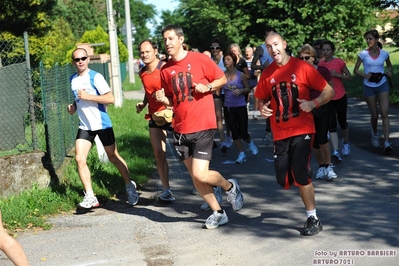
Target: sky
163,4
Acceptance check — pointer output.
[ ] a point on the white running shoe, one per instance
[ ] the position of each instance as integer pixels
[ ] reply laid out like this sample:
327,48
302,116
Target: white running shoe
252,147
132,195
88,202
215,220
234,196
242,158
330,172
336,157
346,150
321,173
375,140
218,194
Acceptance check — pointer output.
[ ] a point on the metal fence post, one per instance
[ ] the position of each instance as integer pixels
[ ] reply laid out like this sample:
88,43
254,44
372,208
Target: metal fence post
30,92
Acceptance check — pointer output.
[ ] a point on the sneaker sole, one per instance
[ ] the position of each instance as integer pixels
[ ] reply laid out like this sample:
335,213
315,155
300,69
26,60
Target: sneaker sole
388,149
165,201
84,208
313,234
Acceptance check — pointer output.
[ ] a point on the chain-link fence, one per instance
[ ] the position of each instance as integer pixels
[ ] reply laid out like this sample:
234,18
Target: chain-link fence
20,110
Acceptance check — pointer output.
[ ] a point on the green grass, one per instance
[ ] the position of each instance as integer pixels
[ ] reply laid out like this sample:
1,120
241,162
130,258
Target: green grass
30,209
127,86
354,87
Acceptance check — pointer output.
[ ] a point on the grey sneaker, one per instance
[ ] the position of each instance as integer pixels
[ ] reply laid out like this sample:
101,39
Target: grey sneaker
215,220
330,172
88,202
218,194
166,196
375,139
234,196
336,157
312,226
132,195
346,150
267,138
321,173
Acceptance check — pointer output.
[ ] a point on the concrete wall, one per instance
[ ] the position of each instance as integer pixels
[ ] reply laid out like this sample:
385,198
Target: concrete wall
21,172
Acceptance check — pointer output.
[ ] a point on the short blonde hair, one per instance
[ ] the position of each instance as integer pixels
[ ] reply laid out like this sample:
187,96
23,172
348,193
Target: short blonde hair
308,49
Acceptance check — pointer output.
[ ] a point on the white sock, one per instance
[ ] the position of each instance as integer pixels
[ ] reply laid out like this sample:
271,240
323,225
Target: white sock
90,193
311,213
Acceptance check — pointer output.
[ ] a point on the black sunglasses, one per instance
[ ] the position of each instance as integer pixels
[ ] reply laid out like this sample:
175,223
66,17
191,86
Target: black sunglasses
305,57
215,47
78,59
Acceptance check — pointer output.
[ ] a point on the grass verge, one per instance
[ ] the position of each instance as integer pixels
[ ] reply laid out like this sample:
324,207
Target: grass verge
31,209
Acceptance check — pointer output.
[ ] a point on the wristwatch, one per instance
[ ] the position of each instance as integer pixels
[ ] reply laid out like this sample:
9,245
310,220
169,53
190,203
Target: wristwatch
209,86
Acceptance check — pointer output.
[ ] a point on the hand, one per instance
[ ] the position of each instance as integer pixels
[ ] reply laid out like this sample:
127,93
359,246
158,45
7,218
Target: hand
264,109
159,95
237,92
200,88
82,94
71,109
306,106
139,107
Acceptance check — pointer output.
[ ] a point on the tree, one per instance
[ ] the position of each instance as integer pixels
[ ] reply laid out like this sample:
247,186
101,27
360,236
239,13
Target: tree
32,16
82,15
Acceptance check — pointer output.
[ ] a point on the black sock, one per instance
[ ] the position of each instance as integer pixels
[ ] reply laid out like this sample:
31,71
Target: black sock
220,211
230,187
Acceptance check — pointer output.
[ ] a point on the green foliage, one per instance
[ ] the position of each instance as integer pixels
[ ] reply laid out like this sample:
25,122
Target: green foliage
82,15
31,208
26,15
299,22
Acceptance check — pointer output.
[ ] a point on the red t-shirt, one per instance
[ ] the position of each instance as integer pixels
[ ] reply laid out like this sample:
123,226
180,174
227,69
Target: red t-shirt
152,83
283,86
193,112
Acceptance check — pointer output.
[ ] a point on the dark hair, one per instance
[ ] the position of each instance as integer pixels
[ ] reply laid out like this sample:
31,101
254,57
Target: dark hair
79,48
318,42
178,30
376,36
217,40
329,43
232,55
153,44
269,29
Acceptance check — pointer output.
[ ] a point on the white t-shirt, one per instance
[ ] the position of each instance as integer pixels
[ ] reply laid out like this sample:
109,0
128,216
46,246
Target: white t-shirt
375,65
92,116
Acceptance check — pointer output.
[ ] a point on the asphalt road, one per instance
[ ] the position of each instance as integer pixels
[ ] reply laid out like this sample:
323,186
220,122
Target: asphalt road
359,211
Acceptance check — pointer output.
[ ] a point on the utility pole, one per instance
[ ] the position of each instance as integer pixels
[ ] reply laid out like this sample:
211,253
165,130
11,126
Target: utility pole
129,41
116,82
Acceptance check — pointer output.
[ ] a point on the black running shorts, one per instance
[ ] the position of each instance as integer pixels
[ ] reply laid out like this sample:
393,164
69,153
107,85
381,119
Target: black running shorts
198,145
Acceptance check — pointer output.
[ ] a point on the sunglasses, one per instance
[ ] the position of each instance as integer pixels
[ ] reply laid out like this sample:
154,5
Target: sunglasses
215,47
305,57
78,59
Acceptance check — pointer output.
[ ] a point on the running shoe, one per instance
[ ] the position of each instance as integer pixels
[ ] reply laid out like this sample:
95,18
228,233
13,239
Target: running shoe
88,202
166,196
242,158
228,142
218,194
387,147
330,172
215,220
336,157
346,150
267,138
321,173
234,196
252,147
312,227
132,195
223,147
375,140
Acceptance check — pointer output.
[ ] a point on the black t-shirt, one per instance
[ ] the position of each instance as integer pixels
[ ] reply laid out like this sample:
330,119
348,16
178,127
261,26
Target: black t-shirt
241,64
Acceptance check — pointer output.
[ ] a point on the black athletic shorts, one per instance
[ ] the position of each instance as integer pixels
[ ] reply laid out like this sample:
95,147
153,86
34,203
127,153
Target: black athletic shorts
106,136
198,145
292,160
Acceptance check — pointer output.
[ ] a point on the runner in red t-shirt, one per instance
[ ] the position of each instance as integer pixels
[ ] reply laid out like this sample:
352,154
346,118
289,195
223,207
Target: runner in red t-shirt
188,80
283,94
150,76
